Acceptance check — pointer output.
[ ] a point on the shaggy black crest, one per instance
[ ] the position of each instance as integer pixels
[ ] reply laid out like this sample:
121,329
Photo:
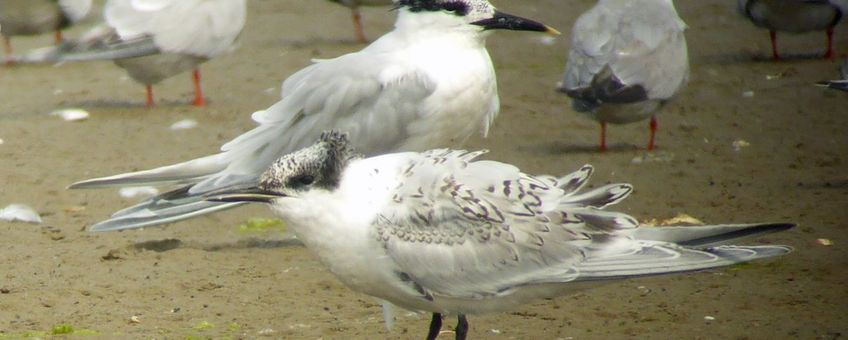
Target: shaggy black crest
457,7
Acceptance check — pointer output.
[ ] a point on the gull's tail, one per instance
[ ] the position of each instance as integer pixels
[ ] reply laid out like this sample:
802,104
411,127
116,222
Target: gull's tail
100,43
665,250
841,85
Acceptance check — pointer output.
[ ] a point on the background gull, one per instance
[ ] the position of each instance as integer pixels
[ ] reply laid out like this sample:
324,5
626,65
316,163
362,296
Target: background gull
31,17
795,16
627,59
156,39
428,83
357,18
440,232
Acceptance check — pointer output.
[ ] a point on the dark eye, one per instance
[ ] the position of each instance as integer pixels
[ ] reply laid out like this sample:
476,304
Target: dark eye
456,7
304,179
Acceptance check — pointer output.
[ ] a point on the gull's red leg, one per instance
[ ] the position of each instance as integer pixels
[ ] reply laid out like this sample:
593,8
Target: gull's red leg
653,126
149,89
829,53
357,26
198,91
774,54
603,146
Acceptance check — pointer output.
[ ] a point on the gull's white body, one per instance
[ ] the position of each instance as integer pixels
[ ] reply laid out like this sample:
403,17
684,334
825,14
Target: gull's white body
439,232
186,32
640,42
794,16
429,83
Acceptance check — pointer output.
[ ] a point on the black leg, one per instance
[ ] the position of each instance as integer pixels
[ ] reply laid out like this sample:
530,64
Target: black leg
435,326
461,327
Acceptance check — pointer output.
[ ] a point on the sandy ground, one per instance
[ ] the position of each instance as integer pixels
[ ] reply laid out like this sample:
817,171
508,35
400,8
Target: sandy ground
203,278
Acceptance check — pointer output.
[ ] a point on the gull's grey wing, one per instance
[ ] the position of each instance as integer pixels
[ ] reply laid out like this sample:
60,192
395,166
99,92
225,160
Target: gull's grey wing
626,52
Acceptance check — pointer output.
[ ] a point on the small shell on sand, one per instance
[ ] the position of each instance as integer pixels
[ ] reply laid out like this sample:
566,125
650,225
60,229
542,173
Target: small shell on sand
71,115
184,124
19,212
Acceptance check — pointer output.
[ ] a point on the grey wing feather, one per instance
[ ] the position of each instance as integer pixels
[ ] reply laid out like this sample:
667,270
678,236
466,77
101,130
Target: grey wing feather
99,43
707,236
657,259
499,227
470,229
326,95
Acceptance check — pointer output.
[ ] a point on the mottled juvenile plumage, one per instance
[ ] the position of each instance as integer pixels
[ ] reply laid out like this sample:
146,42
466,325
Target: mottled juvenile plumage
440,231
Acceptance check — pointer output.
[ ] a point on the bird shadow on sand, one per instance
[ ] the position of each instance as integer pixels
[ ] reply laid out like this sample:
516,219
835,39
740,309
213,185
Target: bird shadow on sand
837,184
171,244
740,58
316,41
125,104
556,148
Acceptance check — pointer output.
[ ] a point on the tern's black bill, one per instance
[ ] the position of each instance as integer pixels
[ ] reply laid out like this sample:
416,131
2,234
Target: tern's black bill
245,195
506,21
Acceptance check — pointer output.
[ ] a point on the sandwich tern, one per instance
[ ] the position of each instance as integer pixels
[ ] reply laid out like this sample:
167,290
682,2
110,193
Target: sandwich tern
627,59
428,83
795,16
441,232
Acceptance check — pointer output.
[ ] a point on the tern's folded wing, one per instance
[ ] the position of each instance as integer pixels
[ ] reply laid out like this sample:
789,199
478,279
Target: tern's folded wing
373,110
472,229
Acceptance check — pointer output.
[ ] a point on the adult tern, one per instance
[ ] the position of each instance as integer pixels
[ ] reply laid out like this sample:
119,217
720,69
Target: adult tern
440,232
428,83
627,59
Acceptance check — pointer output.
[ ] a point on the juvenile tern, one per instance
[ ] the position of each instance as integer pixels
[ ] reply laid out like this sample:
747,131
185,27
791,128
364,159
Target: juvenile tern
627,59
32,17
428,83
795,16
156,39
357,17
441,232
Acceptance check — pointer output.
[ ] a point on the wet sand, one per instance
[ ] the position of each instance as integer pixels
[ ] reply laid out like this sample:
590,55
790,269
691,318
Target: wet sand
204,278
